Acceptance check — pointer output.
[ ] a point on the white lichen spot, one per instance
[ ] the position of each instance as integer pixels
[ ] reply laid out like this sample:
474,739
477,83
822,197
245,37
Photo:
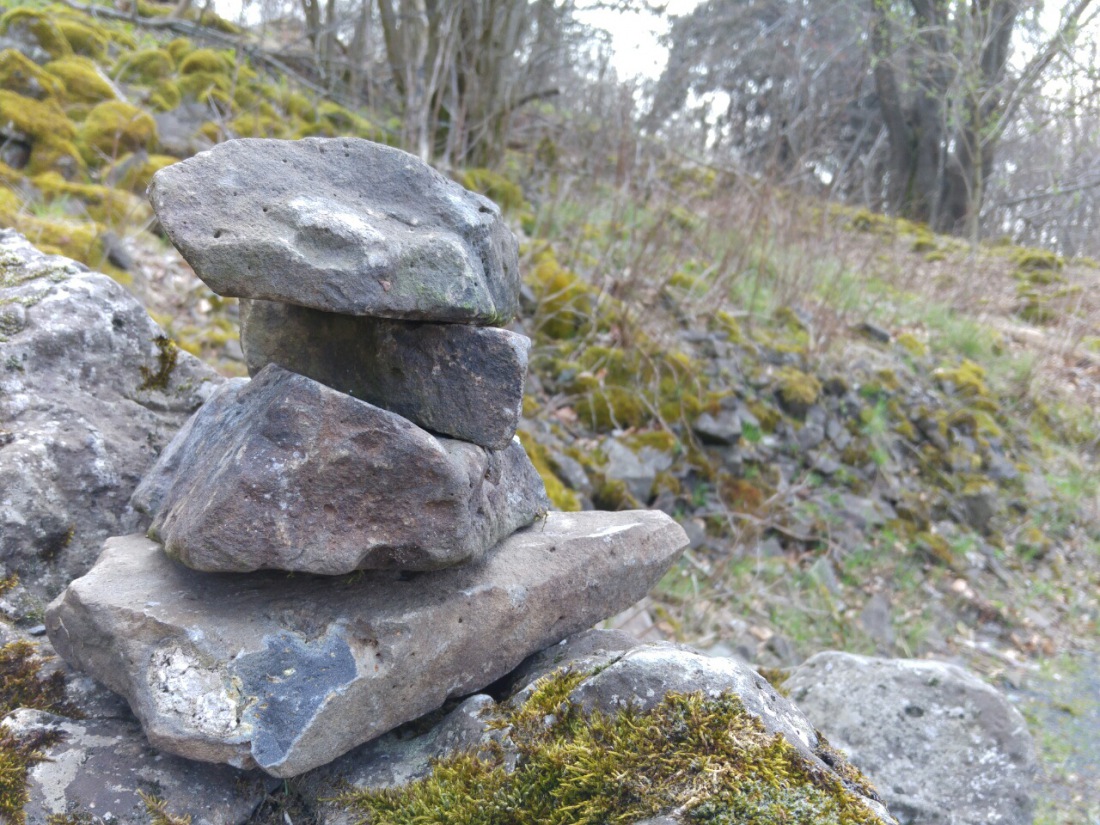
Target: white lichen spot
200,697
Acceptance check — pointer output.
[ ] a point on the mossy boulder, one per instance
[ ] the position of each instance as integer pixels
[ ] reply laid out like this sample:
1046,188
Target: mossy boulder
82,80
114,128
21,75
206,61
796,390
35,28
145,66
84,38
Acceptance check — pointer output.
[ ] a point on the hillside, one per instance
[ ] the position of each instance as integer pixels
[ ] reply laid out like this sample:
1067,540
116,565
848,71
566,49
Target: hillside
879,439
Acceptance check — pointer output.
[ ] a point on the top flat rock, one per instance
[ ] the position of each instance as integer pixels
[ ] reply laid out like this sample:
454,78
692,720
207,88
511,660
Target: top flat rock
341,225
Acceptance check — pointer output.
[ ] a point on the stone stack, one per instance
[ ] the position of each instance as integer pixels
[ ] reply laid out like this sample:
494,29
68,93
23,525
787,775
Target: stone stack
373,453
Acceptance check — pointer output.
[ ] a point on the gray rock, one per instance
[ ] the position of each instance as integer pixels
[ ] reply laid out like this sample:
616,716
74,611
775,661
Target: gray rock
290,672
452,379
636,467
723,429
99,766
940,744
89,394
624,673
384,234
285,473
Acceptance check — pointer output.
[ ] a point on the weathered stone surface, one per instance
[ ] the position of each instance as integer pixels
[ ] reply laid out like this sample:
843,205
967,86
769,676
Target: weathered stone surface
290,672
457,380
623,672
87,399
99,766
941,745
342,225
285,473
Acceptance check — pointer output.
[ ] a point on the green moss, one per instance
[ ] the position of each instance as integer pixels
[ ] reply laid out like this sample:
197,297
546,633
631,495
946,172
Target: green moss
41,120
166,97
913,345
797,391
157,811
560,496
82,81
703,756
167,355
180,48
84,39
565,302
114,128
22,21
135,176
967,379
1034,260
206,61
145,66
24,77
610,408
507,194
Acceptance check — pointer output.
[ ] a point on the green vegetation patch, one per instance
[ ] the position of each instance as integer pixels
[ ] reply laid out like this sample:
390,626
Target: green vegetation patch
82,81
706,757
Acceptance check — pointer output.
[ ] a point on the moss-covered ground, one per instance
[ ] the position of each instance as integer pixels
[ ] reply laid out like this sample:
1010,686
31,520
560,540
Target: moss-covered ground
915,469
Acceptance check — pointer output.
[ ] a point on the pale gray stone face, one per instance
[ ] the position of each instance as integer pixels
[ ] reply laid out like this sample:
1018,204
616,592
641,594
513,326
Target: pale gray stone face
285,473
341,225
453,379
290,672
87,400
940,744
100,765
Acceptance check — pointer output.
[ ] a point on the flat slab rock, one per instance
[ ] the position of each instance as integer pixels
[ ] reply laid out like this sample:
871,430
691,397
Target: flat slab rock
341,225
98,766
457,380
285,473
90,391
941,744
288,673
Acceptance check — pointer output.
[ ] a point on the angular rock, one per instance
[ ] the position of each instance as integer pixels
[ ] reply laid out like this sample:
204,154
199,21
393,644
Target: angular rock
285,473
384,235
457,380
287,673
90,390
98,767
622,672
941,745
723,429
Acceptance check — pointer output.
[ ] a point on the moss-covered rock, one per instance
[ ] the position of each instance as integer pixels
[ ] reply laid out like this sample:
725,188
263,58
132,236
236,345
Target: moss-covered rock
796,390
84,38
34,26
82,80
205,61
145,66
24,77
114,128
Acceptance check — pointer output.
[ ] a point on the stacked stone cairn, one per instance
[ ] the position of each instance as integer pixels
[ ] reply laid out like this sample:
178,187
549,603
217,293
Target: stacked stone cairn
354,536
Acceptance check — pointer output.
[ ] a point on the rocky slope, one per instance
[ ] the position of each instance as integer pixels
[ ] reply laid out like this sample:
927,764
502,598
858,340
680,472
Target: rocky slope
879,440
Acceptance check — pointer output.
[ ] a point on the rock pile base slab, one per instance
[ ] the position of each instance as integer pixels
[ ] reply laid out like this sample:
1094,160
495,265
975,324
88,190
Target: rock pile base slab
287,673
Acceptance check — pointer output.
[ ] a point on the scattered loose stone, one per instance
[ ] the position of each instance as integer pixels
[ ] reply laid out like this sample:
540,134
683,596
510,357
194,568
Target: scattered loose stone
941,744
287,673
341,225
90,390
285,473
452,379
99,766
723,429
